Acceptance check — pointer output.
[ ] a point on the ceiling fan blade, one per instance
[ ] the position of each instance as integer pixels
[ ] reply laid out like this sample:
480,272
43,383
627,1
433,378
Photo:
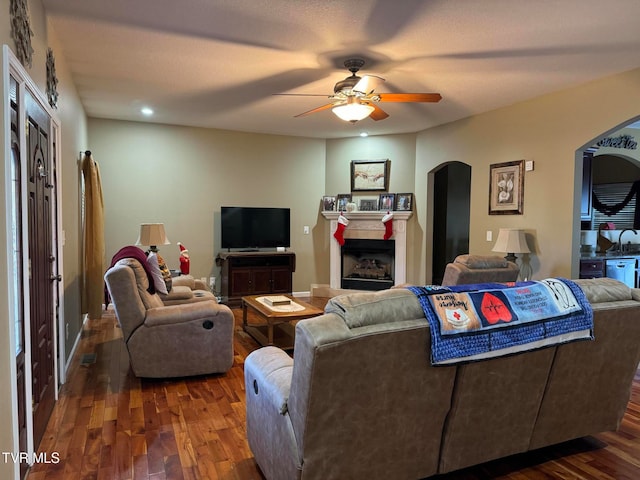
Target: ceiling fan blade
317,109
378,113
303,95
409,97
367,84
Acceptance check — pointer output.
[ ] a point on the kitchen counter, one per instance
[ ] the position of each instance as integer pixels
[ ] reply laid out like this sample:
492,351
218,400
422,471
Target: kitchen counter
607,255
621,266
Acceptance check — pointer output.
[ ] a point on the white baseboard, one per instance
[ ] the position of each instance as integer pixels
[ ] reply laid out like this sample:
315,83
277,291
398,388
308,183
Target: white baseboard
67,365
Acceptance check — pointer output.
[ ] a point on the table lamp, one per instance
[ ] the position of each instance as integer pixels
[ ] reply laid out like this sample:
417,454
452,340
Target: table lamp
512,241
152,235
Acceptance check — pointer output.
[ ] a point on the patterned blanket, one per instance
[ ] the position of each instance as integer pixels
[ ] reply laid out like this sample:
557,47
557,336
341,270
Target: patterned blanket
474,322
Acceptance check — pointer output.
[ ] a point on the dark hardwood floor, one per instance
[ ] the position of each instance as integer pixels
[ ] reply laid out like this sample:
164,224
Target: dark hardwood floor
109,424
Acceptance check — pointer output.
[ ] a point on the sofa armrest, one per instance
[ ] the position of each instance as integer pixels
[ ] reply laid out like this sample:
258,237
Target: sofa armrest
267,376
271,370
184,313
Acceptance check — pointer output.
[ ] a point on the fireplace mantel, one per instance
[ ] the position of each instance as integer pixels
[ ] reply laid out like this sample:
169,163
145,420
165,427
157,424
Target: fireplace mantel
368,225
397,216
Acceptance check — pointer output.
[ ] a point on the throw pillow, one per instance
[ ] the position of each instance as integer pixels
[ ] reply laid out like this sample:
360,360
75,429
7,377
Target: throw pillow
166,273
158,278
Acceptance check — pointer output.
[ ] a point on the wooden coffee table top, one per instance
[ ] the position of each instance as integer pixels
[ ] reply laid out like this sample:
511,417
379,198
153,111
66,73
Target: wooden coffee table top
281,313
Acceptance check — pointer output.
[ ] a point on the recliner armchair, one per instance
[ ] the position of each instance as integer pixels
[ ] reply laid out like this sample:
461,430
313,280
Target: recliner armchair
168,341
469,269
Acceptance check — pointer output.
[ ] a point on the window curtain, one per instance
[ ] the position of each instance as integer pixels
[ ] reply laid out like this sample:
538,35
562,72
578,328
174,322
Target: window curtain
93,255
613,209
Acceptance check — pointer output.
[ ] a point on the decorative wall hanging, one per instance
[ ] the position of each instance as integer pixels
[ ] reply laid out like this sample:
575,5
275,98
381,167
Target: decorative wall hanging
370,176
21,31
52,80
506,188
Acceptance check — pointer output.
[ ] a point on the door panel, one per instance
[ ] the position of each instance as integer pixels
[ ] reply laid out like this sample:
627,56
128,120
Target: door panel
40,261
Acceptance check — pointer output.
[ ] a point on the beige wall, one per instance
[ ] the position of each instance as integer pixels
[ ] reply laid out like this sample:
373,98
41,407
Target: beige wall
181,176
548,130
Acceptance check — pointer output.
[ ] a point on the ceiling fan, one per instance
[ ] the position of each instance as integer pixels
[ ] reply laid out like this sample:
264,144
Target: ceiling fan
354,98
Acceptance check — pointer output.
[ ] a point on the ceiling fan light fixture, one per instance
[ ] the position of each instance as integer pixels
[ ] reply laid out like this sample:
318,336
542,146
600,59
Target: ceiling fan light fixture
352,112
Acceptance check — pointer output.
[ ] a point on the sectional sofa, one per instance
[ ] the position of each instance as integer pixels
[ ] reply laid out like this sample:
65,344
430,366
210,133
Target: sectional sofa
361,399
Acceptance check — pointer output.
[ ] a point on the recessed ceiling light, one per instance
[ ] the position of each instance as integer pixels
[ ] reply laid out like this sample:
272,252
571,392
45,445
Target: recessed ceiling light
146,111
364,134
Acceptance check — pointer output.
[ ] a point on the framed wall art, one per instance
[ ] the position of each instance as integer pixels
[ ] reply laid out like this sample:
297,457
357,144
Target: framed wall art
506,188
370,175
404,202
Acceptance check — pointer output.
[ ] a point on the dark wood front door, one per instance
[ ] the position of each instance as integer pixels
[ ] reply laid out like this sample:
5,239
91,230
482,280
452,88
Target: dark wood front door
41,262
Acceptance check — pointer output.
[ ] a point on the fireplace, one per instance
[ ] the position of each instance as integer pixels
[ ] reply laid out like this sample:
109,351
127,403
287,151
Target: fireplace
367,264
368,225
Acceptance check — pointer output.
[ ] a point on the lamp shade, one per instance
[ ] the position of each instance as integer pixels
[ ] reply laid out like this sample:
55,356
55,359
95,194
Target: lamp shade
152,234
352,112
511,240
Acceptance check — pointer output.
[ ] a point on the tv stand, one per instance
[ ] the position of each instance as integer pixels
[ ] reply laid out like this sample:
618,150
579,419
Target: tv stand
254,273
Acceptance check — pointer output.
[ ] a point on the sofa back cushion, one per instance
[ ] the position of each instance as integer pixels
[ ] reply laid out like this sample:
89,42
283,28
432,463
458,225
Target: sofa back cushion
374,308
150,300
603,290
363,389
467,269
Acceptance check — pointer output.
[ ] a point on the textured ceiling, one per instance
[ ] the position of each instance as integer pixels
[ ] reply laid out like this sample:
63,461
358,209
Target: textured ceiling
217,63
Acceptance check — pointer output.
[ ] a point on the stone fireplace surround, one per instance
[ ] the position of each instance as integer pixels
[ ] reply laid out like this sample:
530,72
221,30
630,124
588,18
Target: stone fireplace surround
368,225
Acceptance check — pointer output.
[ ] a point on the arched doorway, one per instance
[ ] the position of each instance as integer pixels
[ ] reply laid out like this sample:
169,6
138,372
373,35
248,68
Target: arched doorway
451,214
610,167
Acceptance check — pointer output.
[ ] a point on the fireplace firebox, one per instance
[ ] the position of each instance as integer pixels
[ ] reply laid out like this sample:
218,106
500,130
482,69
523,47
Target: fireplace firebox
367,264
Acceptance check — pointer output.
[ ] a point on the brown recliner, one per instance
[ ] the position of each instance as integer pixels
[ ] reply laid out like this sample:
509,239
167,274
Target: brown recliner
168,340
468,269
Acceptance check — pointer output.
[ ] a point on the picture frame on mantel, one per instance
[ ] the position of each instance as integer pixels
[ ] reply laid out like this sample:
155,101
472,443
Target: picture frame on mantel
506,188
404,202
342,199
370,175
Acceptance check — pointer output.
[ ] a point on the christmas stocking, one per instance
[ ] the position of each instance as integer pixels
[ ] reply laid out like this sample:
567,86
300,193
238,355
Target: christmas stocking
388,225
342,223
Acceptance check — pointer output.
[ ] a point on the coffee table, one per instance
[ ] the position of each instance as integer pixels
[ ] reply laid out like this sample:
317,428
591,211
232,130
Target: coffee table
283,317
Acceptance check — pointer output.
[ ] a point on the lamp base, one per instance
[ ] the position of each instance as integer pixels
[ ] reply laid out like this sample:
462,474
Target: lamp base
511,257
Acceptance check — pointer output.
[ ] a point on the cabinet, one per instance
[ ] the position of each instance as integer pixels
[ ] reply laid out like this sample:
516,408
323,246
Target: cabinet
591,268
254,273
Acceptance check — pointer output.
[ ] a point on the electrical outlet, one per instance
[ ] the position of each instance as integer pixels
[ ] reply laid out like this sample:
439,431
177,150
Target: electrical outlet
212,283
489,235
306,229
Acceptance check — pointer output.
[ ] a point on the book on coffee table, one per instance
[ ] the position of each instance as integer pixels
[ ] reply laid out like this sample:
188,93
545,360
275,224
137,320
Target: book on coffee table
277,300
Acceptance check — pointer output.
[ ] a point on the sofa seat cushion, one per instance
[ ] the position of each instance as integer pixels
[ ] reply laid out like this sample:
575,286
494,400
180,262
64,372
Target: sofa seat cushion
182,294
372,308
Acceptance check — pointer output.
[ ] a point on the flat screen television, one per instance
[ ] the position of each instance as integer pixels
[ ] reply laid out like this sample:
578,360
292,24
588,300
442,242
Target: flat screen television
255,227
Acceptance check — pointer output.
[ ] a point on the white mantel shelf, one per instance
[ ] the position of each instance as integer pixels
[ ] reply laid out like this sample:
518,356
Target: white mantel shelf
368,225
377,215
